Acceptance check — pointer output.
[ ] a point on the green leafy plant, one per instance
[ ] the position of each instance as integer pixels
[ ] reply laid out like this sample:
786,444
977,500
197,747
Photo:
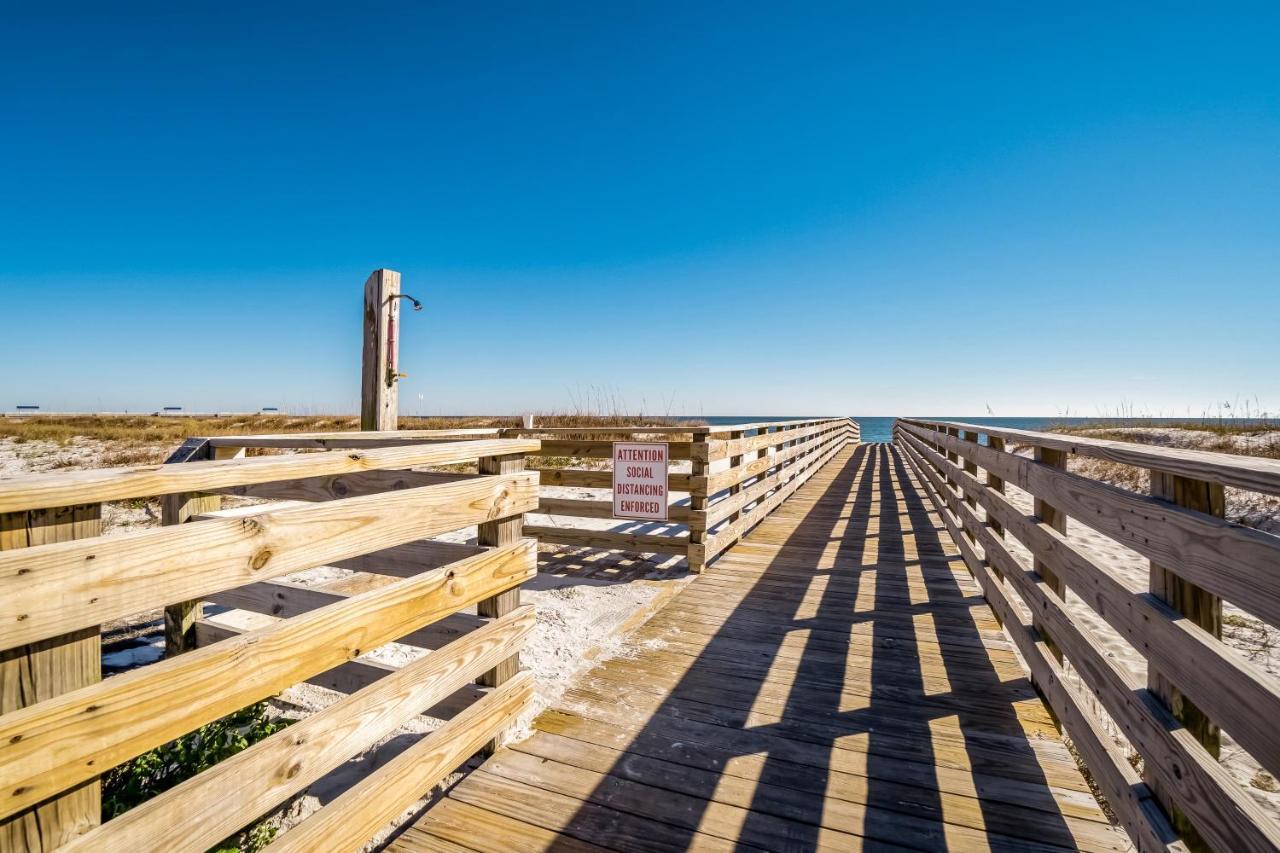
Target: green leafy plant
155,772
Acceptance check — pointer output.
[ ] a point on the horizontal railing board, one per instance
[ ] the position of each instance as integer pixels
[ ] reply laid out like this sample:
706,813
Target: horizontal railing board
721,480
61,742
411,558
284,600
352,438
731,503
56,489
347,677
51,590
1242,472
1227,559
1131,799
717,542
336,486
754,443
538,431
685,429
749,502
582,449
609,539
351,819
747,427
212,805
402,561
1223,812
578,508
1239,695
582,479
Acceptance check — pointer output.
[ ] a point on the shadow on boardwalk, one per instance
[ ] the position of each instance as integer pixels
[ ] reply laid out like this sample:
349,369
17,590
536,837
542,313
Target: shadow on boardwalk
872,559
833,682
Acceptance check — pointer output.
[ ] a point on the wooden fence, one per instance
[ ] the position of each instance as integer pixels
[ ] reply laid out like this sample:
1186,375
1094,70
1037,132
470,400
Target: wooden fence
737,474
61,726
1196,685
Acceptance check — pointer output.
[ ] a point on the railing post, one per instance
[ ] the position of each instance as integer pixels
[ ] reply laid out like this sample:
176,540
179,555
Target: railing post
734,462
502,531
1055,518
43,670
971,468
379,398
995,484
698,495
952,457
180,619
499,532
1201,608
764,451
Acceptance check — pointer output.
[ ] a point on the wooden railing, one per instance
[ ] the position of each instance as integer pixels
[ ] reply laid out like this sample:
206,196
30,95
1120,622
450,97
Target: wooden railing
737,475
61,726
1196,685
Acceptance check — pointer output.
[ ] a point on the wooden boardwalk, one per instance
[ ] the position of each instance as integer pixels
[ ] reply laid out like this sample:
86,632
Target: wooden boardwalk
834,681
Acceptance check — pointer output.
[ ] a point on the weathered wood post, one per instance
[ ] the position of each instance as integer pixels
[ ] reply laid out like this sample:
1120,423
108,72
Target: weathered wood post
952,457
971,468
698,495
43,670
1201,608
502,531
180,619
995,484
379,400
762,453
734,462
1048,514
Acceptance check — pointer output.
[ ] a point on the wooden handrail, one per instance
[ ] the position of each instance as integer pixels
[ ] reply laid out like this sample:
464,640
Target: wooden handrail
790,424
1243,472
348,439
34,491
723,502
1197,681
1238,563
357,508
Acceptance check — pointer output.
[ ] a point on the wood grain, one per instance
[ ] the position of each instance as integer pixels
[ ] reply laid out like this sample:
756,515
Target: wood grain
1132,800
347,823
66,740
52,589
37,672
1228,686
773,705
33,491
1202,788
1244,472
214,804
1234,562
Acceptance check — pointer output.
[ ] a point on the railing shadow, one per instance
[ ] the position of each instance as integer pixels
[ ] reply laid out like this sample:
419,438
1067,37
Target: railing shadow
866,682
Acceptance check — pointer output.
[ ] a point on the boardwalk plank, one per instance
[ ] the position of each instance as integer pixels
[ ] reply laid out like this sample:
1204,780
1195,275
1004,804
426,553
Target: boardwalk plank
833,681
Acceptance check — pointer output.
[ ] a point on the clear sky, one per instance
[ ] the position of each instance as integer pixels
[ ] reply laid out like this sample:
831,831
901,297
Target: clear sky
696,208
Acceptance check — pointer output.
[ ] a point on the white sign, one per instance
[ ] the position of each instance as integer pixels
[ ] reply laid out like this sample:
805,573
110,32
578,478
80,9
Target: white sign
640,480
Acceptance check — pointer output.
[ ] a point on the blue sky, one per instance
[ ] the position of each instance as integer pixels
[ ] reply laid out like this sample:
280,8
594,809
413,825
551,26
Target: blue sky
697,208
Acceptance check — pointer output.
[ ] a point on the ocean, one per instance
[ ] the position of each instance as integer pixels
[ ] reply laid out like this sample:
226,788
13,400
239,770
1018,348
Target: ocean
881,429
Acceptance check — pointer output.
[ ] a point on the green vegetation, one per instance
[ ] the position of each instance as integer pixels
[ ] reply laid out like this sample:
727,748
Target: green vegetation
164,767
